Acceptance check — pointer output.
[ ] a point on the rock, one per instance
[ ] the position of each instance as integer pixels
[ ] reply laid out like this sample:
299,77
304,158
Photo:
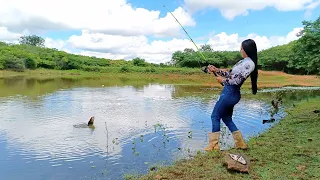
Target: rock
301,167
234,165
158,177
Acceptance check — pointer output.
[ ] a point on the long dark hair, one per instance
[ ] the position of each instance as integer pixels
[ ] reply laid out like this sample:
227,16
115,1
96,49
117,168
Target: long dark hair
250,47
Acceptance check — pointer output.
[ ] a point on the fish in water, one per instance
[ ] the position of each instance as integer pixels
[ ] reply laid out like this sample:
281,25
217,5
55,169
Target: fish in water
86,125
91,121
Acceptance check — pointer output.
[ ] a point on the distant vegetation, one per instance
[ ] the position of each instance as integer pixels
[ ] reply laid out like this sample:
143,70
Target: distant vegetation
299,57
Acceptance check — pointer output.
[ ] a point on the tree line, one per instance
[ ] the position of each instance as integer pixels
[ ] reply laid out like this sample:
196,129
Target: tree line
31,53
301,56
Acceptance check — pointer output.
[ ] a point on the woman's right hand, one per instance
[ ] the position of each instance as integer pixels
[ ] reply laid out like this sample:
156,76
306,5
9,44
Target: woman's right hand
212,68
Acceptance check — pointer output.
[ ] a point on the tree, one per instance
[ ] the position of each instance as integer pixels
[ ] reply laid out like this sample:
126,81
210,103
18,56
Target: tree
188,51
306,50
177,57
277,57
32,40
206,48
139,62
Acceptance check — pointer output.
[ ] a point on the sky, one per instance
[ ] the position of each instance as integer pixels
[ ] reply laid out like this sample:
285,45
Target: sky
125,29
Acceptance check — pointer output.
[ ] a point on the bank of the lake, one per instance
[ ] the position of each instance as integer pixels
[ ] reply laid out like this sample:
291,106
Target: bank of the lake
288,150
267,79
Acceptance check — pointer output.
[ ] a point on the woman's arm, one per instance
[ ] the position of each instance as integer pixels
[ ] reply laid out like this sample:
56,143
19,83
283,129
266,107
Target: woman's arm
223,73
218,71
239,73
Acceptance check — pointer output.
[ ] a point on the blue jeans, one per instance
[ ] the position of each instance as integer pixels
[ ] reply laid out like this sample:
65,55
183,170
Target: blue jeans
223,109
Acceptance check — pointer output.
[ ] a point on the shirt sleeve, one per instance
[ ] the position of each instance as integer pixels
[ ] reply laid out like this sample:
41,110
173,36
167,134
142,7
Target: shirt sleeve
223,73
239,73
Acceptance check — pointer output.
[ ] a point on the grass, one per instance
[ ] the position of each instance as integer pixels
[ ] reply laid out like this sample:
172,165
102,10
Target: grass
173,76
288,150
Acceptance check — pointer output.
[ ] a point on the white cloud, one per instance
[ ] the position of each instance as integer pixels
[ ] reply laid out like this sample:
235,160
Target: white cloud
110,17
58,44
123,47
7,36
232,8
310,7
11,37
51,43
224,41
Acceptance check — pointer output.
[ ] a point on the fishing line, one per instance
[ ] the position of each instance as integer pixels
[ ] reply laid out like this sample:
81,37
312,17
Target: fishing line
204,67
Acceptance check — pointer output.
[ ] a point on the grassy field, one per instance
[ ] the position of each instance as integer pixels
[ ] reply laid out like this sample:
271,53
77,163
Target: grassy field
175,76
288,150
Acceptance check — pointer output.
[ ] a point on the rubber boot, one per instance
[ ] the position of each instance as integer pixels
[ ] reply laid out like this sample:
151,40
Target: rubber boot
213,141
238,139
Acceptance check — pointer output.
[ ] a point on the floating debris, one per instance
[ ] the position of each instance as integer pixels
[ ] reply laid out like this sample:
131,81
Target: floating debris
268,121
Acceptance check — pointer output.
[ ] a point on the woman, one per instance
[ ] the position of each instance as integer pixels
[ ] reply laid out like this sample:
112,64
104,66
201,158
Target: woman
230,94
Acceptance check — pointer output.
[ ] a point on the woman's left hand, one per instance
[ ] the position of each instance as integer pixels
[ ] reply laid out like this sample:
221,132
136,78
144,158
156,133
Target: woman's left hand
220,79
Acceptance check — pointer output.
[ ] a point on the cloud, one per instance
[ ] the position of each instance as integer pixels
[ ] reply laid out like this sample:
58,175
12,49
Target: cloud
7,36
98,16
232,8
127,47
224,41
159,51
58,44
310,7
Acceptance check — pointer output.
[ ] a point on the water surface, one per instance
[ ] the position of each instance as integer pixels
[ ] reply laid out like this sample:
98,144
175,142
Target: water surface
136,126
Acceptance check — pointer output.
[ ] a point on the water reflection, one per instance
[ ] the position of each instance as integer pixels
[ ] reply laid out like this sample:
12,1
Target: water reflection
135,127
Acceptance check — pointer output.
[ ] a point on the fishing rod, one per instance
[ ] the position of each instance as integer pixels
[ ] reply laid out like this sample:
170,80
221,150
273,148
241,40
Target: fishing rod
204,68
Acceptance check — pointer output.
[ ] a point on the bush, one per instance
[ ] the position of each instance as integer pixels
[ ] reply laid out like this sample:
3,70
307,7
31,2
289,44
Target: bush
92,68
139,62
150,69
30,63
15,64
47,64
125,69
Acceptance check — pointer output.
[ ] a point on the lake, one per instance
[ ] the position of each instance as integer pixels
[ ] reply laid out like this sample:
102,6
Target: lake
138,125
